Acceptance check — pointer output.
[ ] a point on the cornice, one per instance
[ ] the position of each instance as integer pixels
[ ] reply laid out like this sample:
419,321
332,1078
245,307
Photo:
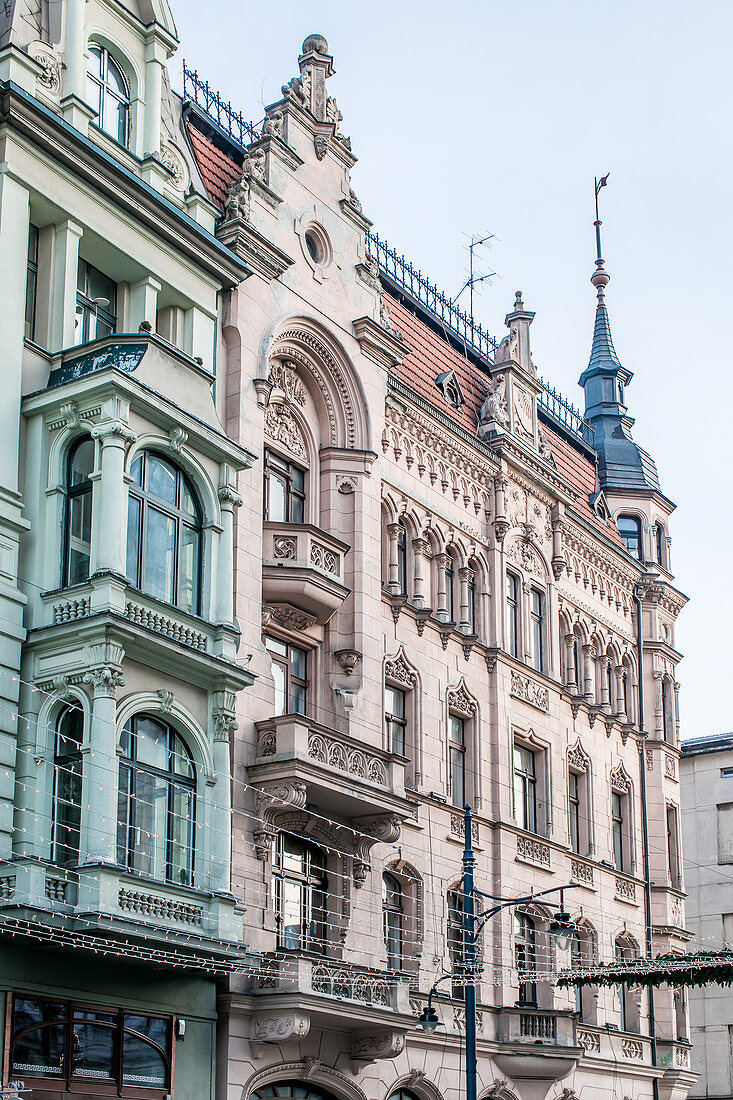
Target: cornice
81,158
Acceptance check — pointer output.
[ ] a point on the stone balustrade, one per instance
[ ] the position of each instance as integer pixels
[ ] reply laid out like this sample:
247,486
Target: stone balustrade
300,975
303,566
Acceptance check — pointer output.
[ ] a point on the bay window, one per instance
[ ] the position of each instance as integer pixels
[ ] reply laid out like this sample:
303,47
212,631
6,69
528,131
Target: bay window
284,490
78,518
156,802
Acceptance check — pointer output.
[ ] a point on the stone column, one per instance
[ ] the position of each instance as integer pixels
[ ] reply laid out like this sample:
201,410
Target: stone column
220,846
14,219
155,57
110,498
99,806
604,664
75,79
571,682
465,576
676,687
620,694
224,602
442,561
63,294
419,552
589,652
658,715
393,578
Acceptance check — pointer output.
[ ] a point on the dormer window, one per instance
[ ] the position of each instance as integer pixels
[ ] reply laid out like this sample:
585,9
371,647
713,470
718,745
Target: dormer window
599,506
629,528
108,93
452,392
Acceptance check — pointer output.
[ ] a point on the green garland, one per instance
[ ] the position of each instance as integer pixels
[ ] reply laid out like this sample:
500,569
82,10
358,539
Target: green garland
696,969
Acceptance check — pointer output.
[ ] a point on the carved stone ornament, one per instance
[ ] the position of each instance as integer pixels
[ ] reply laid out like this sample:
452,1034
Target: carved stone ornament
460,702
367,1046
50,78
348,659
522,414
370,831
620,781
273,126
282,376
174,162
176,439
270,803
61,687
494,410
104,681
238,205
291,618
166,699
522,687
279,1028
397,670
281,426
320,144
523,554
577,758
254,164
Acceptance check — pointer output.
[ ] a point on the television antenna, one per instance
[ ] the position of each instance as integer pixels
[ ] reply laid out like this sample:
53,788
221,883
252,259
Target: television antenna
474,280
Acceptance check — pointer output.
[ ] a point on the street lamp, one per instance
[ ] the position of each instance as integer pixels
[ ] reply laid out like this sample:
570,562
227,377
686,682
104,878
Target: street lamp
561,928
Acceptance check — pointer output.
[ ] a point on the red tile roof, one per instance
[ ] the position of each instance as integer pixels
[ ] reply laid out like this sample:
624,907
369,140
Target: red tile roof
430,356
216,168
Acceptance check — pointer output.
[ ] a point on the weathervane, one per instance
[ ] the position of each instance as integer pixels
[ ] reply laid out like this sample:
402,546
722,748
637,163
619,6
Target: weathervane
600,277
473,279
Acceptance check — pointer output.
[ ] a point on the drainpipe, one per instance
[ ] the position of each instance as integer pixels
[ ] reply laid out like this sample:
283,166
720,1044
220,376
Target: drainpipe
645,838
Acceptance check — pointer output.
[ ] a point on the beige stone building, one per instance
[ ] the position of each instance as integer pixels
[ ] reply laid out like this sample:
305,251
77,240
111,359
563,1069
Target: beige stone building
307,560
706,775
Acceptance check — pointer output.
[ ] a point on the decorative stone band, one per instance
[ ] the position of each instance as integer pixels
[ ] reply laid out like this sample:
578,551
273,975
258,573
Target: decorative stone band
581,872
682,1057
331,751
367,1046
323,558
625,890
279,1028
533,850
632,1049
352,985
589,1041
459,1020
162,624
148,905
530,692
458,827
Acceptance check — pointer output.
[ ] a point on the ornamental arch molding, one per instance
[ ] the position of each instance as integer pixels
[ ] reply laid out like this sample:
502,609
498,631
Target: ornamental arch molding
331,379
417,1083
499,1091
174,452
310,1072
160,705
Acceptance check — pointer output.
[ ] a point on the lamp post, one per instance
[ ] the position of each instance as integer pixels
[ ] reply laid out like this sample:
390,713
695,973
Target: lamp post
561,927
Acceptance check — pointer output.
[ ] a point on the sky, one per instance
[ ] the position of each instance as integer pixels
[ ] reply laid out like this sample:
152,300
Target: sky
470,118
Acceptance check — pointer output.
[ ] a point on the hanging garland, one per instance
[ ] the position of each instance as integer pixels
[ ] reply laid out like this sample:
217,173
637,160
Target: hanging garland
696,969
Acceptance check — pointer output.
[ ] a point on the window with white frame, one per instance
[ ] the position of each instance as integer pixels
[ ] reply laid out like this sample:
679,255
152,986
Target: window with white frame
457,758
513,589
289,665
108,92
525,787
67,769
395,719
392,917
96,304
284,490
78,518
299,887
537,629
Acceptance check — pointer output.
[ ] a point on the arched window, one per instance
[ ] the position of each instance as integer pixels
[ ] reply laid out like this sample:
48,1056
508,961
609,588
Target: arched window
392,915
629,528
667,712
108,93
164,533
289,1090
299,893
472,615
157,801
78,521
402,558
660,545
525,957
67,768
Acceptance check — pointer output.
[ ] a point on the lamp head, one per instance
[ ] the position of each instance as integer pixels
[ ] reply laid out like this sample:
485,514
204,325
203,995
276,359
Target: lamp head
562,928
428,1020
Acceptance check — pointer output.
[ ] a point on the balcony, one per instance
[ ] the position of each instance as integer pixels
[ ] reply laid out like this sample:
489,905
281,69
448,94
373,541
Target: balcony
535,1026
613,1045
108,906
153,632
303,566
351,778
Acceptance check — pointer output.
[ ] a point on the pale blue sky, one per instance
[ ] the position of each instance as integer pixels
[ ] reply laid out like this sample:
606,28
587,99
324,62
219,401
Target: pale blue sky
494,117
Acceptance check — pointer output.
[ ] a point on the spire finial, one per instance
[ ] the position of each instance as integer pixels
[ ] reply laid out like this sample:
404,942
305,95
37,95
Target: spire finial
600,277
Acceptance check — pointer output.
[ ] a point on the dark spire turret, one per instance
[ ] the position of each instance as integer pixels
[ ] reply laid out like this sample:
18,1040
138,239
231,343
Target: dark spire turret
622,464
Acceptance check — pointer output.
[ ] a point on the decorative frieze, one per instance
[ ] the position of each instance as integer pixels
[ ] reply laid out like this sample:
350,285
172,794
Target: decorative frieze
620,781
533,850
581,872
323,558
348,984
632,1049
625,889
337,754
590,1041
529,691
460,702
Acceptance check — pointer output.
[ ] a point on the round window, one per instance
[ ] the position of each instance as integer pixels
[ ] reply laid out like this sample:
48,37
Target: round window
313,243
